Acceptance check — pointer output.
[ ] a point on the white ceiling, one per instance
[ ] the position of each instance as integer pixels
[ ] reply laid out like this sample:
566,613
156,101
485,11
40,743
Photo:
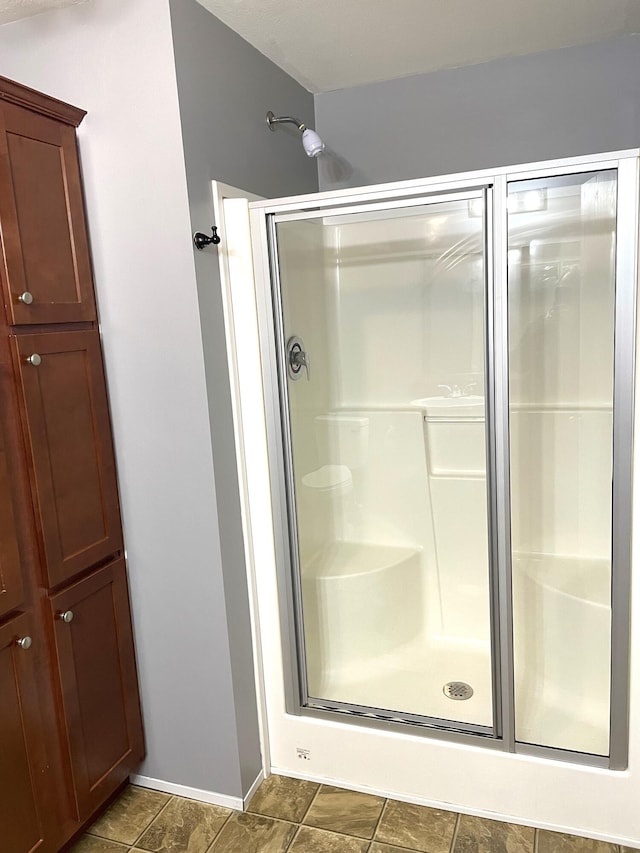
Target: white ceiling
333,44
11,10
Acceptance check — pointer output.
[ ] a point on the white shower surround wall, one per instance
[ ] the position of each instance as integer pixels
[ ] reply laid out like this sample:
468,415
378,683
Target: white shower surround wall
474,779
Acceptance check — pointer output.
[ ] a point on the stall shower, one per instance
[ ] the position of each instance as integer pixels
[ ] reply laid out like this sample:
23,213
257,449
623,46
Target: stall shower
451,468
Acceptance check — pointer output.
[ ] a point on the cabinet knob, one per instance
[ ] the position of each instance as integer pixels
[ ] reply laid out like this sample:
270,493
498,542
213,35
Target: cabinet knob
34,359
26,298
24,643
66,616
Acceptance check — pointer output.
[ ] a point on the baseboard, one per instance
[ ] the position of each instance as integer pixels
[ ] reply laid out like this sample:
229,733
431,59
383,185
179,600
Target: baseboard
212,797
453,807
253,788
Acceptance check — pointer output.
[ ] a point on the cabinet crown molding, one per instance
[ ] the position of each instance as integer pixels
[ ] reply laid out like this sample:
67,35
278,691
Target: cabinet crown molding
23,96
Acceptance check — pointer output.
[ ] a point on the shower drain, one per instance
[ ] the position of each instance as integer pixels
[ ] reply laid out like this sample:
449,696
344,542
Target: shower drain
457,690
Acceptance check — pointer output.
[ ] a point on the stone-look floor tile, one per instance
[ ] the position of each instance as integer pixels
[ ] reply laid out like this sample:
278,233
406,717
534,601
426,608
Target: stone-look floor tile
280,796
478,835
91,844
251,833
309,840
557,842
130,815
184,826
349,812
378,847
417,827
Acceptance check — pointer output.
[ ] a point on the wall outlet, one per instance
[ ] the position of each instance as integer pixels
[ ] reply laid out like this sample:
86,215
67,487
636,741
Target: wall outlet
303,754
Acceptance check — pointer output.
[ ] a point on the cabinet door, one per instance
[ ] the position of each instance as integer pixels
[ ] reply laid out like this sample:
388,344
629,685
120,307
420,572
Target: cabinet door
97,671
21,748
44,237
11,589
69,437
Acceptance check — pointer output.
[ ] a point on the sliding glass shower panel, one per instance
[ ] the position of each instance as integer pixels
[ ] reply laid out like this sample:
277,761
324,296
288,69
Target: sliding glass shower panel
382,350
562,240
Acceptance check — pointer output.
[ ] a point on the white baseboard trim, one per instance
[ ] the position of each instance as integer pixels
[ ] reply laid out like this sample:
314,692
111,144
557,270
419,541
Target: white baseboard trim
194,793
253,788
453,807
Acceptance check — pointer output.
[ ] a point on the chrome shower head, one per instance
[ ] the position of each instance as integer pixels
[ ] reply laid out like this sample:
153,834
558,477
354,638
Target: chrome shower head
311,141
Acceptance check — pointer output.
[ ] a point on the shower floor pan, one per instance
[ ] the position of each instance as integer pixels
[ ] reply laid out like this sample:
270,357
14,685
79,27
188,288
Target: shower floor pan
367,641
413,681
368,644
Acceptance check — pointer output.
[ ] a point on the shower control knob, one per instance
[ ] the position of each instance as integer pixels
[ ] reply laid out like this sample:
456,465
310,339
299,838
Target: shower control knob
297,358
34,359
26,298
66,616
24,643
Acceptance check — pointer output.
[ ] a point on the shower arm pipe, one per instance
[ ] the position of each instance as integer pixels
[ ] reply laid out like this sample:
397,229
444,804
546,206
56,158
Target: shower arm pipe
273,119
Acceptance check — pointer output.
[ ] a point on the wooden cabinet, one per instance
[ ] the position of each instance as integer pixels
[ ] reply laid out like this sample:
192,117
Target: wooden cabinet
94,649
22,826
66,422
11,584
70,722
46,252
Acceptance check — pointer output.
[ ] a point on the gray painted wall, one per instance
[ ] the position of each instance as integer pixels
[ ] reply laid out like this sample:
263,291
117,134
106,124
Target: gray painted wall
164,341
115,59
225,88
560,103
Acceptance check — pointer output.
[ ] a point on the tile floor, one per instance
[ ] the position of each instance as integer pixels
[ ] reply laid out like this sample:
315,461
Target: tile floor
303,817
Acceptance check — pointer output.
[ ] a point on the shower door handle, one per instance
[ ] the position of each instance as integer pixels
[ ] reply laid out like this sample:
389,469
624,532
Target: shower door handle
297,358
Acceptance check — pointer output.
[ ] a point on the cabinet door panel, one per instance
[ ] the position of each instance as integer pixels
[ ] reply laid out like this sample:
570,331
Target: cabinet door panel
69,437
11,588
42,218
20,745
98,679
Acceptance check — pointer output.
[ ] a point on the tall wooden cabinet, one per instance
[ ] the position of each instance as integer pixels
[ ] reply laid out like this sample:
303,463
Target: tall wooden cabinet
70,722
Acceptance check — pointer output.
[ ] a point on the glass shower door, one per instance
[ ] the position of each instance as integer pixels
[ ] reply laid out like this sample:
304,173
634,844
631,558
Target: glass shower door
382,345
562,291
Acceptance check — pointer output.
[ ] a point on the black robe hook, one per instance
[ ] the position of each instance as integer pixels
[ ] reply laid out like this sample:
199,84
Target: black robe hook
201,240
